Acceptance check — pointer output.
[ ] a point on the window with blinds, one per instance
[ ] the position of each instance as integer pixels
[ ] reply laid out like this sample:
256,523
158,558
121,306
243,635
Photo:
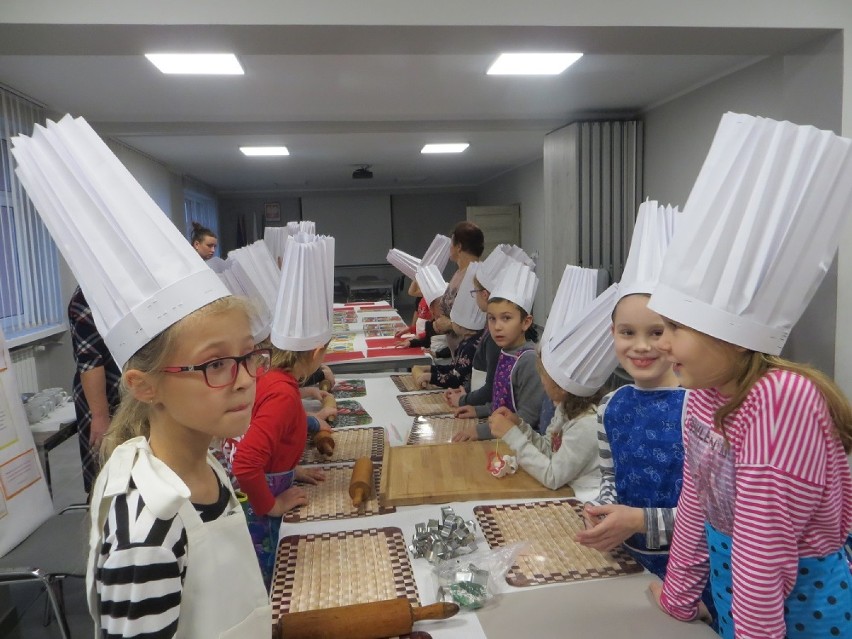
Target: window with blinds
30,299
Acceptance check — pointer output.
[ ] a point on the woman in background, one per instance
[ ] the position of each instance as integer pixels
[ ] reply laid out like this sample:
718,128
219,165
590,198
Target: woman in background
204,241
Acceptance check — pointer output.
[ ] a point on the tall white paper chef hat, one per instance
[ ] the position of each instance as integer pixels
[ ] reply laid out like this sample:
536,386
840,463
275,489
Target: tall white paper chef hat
759,231
492,266
241,285
431,283
517,283
652,234
304,308
404,262
580,356
465,311
305,226
257,275
576,290
275,238
517,253
438,254
139,274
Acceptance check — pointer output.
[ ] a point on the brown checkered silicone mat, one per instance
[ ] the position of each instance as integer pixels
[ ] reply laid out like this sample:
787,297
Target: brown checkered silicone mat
553,556
330,499
339,569
350,444
432,403
437,430
406,383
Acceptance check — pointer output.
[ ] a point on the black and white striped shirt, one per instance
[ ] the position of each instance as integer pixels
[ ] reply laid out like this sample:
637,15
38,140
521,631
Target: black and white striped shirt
142,566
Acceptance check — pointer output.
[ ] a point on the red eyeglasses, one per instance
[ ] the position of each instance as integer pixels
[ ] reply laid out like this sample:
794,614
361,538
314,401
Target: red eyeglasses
222,371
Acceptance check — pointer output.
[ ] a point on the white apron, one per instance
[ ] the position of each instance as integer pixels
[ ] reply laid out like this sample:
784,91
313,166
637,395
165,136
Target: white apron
223,593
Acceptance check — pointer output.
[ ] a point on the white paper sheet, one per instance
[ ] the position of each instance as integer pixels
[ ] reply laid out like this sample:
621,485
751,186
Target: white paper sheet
20,473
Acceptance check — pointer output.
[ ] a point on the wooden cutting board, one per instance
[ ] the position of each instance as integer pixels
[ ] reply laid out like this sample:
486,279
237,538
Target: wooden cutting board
442,473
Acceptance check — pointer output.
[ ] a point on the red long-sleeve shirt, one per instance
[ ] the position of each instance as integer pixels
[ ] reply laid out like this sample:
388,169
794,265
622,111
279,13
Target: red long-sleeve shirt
782,490
275,438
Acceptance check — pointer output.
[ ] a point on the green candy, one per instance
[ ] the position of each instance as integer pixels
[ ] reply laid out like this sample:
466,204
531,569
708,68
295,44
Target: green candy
467,594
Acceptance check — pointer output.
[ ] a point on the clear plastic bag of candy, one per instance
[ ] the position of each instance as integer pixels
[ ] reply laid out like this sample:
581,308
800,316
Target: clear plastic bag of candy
471,580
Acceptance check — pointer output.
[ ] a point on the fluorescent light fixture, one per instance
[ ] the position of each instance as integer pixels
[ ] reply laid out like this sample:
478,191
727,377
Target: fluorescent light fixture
196,63
533,63
445,148
264,150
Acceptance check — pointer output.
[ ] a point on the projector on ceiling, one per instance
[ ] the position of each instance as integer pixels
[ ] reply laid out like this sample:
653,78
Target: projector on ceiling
362,173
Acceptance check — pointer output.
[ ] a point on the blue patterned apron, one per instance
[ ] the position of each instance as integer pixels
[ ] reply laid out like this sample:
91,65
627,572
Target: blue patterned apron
820,604
264,530
645,436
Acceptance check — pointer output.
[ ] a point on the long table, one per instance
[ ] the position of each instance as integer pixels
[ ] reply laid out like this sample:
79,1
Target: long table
613,607
372,353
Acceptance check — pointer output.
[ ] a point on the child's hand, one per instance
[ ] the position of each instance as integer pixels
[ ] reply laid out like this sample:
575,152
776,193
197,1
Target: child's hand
311,392
610,525
291,498
309,475
505,412
401,332
324,413
405,343
442,324
417,371
500,423
656,588
466,435
465,411
329,376
323,425
423,380
453,395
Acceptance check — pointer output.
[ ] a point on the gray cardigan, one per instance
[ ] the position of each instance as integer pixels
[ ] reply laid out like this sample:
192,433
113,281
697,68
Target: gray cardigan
526,387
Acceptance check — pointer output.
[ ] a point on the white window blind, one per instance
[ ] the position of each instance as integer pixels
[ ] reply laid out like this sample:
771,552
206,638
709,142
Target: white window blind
202,209
30,298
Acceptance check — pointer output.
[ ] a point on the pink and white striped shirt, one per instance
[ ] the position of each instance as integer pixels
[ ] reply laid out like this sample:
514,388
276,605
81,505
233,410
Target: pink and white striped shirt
780,487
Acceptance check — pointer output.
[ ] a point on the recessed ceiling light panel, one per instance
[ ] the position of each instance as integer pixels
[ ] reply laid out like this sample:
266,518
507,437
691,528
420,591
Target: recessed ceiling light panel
445,148
265,150
533,63
196,63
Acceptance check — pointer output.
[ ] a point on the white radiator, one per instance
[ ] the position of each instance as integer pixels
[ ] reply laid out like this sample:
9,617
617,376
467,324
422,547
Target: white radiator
23,363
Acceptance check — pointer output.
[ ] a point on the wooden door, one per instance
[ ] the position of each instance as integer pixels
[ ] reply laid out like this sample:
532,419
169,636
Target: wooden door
500,224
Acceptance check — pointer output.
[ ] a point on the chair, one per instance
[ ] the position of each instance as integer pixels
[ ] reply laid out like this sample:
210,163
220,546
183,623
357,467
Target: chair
55,550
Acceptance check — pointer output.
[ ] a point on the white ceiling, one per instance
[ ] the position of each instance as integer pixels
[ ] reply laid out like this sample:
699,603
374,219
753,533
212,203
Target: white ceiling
344,96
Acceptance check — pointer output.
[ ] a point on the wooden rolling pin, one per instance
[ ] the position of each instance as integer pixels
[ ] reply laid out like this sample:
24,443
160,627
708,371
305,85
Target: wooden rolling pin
361,484
325,385
324,441
329,402
376,620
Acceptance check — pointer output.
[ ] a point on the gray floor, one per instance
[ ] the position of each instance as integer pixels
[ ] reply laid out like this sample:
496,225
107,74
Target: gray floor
29,599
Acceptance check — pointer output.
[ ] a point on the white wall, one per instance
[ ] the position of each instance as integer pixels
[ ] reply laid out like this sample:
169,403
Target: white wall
251,209
523,186
804,87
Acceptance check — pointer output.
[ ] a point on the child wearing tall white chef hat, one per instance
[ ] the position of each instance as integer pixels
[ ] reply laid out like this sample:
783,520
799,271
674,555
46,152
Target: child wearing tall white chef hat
438,254
468,322
516,384
576,359
478,391
265,459
766,503
640,437
166,525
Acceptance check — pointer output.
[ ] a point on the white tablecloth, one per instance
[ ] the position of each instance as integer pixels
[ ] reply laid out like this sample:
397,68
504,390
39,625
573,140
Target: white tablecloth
381,403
